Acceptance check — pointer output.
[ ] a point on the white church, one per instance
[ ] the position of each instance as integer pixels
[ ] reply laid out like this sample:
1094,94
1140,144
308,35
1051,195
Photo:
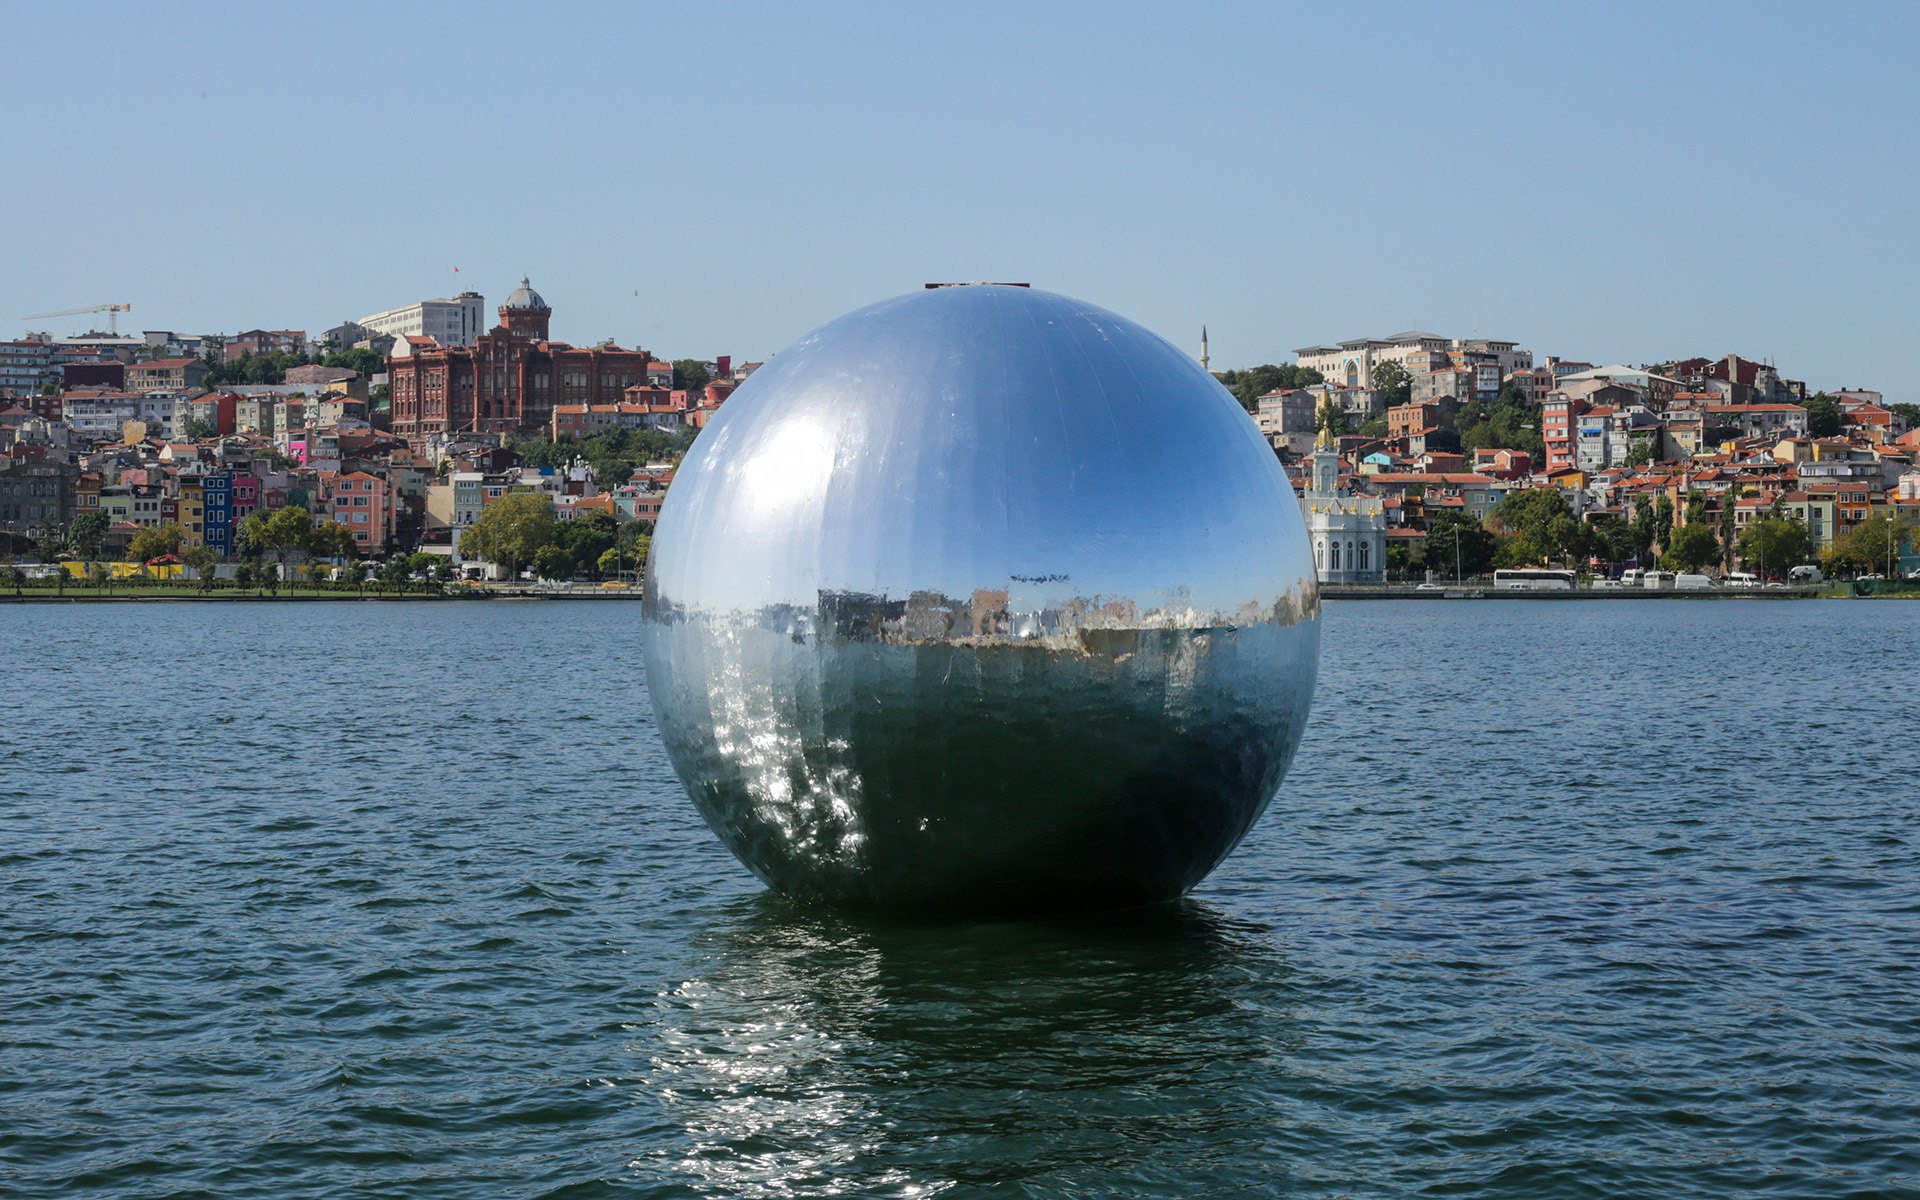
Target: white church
1348,533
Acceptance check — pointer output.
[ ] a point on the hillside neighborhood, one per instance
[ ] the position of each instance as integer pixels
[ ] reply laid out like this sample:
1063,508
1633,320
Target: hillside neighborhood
421,436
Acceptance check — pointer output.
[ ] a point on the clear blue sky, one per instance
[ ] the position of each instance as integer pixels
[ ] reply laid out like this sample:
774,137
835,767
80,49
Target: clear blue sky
1602,182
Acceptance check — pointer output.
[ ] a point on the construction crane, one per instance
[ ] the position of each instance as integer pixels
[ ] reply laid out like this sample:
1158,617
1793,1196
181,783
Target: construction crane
113,312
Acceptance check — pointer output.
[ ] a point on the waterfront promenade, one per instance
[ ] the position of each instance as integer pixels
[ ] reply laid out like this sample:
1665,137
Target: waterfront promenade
1485,590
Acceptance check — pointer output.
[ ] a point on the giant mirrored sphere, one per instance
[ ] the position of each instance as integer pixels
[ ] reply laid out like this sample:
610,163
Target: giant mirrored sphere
981,600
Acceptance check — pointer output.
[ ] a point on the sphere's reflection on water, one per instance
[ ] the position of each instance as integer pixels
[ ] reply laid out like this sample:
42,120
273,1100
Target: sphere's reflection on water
813,1052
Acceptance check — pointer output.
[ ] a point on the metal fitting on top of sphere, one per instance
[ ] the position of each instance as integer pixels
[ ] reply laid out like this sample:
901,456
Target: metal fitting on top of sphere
981,600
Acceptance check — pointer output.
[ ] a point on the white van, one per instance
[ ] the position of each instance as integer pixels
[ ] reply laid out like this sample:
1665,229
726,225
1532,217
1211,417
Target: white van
1691,583
1742,579
1804,574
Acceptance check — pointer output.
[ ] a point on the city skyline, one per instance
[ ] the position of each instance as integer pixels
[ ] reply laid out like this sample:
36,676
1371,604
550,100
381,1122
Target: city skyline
1633,186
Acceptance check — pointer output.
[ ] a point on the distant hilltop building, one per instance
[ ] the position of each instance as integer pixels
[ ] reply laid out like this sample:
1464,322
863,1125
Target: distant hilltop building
456,322
1351,364
266,341
511,378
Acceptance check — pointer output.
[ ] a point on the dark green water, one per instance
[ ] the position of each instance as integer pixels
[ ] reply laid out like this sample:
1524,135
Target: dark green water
1561,900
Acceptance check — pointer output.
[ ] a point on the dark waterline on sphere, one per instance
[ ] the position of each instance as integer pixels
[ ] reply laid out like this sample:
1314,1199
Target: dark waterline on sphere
1557,900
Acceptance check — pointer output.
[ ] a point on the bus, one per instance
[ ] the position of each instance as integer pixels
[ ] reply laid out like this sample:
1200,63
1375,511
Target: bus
1533,577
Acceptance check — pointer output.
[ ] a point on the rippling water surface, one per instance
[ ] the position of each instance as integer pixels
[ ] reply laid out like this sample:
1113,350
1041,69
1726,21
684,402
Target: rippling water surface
1561,899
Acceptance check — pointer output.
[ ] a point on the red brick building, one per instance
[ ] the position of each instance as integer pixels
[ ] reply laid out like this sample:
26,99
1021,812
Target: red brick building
510,378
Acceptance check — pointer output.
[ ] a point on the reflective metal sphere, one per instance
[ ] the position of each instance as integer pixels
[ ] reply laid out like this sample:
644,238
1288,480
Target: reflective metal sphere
981,599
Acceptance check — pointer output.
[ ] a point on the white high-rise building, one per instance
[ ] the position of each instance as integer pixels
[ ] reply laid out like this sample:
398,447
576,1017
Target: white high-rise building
455,322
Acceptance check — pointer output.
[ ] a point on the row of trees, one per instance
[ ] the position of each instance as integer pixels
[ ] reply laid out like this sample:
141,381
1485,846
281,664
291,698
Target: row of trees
613,454
1534,527
519,530
273,368
1249,385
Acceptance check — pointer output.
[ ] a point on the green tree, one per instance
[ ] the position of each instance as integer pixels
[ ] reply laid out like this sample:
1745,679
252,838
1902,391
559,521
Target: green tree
1644,528
366,362
395,571
285,533
356,573
1374,428
586,538
1330,417
552,563
1910,413
203,559
1457,545
197,429
1511,423
1824,418
613,454
1640,453
1535,515
610,564
1663,520
690,374
87,532
155,541
1694,546
1774,545
1729,516
1616,539
330,539
422,563
16,577
510,530
1393,379
1840,561
442,570
635,543
1248,384
1519,551
246,576
1874,543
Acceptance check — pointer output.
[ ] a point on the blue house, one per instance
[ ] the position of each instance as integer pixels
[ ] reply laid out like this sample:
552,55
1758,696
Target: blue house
216,493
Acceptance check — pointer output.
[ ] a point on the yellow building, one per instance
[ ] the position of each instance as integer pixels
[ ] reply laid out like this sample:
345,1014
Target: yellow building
192,511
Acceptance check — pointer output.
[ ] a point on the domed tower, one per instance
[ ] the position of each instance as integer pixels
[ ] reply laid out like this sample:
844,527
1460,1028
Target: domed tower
525,314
